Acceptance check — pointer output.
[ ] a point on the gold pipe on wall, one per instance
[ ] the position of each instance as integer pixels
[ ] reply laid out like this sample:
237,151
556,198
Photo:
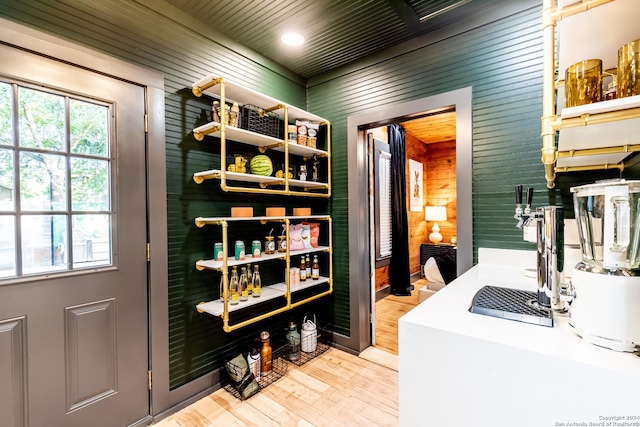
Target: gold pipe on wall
605,166
602,150
548,156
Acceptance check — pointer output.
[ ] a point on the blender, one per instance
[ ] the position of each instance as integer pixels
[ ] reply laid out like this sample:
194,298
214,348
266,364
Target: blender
605,307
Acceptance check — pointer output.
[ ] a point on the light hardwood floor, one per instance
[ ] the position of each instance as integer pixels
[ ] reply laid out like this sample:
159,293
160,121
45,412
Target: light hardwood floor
388,311
334,389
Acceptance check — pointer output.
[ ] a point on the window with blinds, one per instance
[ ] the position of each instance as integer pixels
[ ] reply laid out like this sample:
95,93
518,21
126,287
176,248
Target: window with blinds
382,174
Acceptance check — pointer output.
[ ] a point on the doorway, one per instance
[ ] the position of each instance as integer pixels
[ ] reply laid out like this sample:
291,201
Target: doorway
360,267
74,299
430,145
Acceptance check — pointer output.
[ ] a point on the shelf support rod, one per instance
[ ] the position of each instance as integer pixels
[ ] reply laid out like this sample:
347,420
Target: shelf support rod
548,113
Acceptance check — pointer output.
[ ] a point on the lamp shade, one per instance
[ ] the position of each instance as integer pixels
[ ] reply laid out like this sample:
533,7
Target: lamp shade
435,213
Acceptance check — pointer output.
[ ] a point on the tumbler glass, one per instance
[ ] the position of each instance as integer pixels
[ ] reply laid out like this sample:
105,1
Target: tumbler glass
583,83
629,69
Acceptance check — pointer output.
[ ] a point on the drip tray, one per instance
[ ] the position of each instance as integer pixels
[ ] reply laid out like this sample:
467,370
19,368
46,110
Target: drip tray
511,304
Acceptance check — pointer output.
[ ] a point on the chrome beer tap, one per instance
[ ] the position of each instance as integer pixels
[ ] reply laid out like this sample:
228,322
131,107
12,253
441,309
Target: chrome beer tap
550,248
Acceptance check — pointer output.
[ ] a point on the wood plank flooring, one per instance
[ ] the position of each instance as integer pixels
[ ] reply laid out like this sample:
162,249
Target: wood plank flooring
334,389
388,311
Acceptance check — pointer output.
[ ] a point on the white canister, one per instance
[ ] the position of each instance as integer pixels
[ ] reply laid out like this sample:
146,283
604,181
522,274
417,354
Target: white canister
308,335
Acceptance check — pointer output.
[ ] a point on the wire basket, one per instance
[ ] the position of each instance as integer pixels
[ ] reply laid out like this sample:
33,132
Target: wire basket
278,370
320,347
254,119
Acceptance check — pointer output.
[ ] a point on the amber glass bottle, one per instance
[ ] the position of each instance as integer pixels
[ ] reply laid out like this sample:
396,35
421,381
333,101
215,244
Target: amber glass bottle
265,354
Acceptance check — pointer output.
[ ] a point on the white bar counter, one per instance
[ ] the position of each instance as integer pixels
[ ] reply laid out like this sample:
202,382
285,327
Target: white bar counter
457,368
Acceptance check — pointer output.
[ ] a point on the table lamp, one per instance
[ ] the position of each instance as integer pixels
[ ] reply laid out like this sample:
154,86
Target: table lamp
435,213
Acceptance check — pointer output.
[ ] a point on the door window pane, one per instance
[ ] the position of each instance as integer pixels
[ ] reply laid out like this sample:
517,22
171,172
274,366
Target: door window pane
89,184
43,182
91,240
89,128
55,183
43,243
7,179
41,118
6,114
7,246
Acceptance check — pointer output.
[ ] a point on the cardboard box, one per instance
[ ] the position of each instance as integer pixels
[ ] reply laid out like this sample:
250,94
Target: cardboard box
301,211
241,212
276,211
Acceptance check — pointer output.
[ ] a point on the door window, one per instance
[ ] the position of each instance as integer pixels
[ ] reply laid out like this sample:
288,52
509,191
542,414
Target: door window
55,181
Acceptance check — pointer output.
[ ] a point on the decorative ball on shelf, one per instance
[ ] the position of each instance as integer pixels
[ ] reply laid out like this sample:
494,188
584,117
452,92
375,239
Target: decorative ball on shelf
261,165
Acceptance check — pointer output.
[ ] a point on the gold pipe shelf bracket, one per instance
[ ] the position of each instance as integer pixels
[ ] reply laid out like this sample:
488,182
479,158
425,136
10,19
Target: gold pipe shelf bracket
264,148
199,136
262,111
198,90
199,268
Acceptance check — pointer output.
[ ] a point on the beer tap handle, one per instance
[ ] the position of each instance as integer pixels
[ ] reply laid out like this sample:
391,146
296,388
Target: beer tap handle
518,195
527,207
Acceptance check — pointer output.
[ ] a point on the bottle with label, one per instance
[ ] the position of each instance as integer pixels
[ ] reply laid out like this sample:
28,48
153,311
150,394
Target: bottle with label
234,295
308,264
303,269
253,360
257,282
265,354
315,268
234,116
243,285
293,342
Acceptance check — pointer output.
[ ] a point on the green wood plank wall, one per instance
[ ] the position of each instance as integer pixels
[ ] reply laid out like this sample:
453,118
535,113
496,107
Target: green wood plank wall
503,63
131,32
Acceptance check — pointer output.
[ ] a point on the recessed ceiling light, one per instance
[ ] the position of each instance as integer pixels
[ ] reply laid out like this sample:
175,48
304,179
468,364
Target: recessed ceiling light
292,39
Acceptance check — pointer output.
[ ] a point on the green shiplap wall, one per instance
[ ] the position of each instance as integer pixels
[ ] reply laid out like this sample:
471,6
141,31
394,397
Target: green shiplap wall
131,32
502,62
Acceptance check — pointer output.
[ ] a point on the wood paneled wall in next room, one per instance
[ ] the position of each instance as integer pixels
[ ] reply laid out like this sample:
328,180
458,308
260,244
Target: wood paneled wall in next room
439,188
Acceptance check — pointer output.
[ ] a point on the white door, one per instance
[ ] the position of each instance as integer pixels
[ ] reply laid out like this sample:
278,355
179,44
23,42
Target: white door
73,233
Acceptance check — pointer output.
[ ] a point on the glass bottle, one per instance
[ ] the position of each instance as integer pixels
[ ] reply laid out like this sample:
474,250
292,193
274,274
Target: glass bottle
257,282
222,288
293,342
234,295
308,265
265,354
249,280
315,268
243,285
303,269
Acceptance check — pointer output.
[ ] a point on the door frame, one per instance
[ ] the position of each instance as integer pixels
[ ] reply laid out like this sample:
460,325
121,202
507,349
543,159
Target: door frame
359,218
26,38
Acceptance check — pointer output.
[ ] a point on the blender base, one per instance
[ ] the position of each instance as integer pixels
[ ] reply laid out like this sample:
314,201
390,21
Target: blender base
611,344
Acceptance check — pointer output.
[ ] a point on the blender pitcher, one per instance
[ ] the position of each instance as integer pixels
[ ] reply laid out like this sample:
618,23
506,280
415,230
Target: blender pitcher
608,219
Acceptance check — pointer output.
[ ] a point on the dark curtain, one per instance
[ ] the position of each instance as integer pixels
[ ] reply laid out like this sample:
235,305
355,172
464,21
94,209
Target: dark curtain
399,274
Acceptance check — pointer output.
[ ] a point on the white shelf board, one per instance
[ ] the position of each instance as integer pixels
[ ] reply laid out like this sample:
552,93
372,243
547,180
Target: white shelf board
263,218
307,184
302,150
216,307
243,177
602,107
598,159
212,264
240,135
309,283
600,135
242,95
259,140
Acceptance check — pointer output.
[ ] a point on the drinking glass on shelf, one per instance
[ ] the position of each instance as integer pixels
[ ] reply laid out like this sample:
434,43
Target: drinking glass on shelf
583,83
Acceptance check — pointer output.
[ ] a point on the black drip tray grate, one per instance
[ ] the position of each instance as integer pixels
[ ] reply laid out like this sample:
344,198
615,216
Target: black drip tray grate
511,304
